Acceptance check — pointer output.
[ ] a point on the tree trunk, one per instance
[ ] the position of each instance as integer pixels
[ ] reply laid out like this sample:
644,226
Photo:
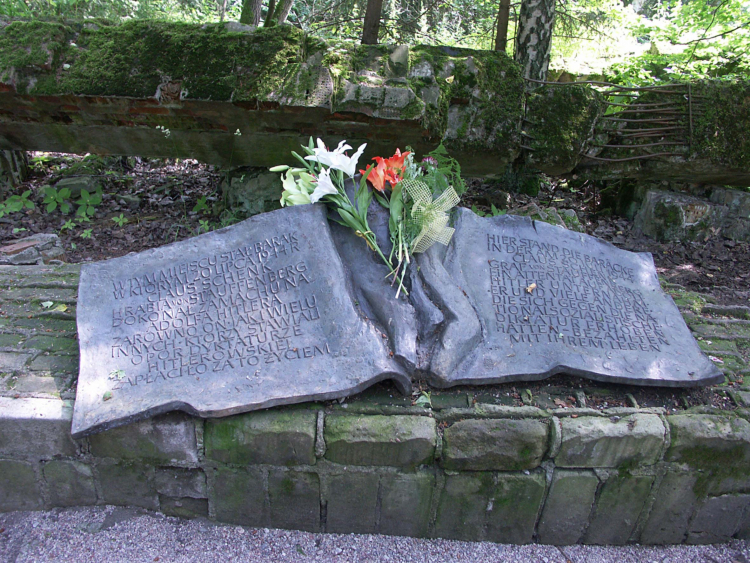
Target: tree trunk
534,37
270,14
14,169
501,33
251,12
372,22
282,10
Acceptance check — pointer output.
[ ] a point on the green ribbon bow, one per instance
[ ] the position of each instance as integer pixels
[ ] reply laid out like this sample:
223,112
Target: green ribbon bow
430,217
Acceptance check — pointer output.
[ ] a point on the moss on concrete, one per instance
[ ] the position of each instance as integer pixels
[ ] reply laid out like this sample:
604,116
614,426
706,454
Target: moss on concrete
561,120
720,123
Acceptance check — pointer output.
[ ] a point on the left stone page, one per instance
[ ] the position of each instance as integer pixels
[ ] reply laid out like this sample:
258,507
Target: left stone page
254,315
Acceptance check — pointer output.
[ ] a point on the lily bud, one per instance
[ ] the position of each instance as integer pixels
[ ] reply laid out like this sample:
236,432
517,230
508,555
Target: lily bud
279,168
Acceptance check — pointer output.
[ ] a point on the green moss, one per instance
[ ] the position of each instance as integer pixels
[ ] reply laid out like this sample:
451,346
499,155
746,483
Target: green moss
134,58
720,123
562,120
413,109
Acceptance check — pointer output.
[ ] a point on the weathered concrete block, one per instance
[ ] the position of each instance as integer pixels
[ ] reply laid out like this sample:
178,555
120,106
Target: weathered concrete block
718,520
178,483
503,444
18,487
405,504
505,505
351,502
707,441
514,507
275,437
617,510
70,483
35,428
186,507
237,497
673,506
295,500
566,512
128,485
404,441
591,441
163,439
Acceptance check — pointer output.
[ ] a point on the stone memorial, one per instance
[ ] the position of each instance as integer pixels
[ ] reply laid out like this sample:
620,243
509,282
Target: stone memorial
286,307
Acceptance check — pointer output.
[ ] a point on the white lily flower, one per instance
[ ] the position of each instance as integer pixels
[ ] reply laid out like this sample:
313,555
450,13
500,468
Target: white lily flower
336,158
324,187
294,193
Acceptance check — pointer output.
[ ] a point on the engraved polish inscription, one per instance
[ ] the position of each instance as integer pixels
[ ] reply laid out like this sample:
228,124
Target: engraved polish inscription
244,308
545,292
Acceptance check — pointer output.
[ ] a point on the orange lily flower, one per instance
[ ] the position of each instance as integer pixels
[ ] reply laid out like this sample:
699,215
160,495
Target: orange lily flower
387,169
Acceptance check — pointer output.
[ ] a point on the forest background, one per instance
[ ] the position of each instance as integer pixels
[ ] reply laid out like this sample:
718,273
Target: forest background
630,42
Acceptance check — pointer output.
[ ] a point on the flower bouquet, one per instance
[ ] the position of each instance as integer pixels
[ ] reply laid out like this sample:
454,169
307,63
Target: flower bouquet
417,196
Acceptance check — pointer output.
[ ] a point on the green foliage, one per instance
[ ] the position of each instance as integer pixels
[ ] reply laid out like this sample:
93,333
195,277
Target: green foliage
16,203
692,40
87,203
120,221
201,206
54,198
494,211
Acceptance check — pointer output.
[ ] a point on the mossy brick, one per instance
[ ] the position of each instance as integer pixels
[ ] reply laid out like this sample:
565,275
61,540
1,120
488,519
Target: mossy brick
52,344
671,511
514,507
717,345
618,507
28,383
43,324
35,428
294,500
128,485
590,441
276,437
70,483
10,340
19,489
708,441
501,444
402,441
462,508
186,507
55,364
238,497
180,483
718,519
405,504
13,361
163,439
568,507
41,294
351,503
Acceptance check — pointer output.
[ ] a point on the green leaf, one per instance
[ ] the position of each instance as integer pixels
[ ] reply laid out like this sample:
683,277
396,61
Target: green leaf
47,304
63,193
51,206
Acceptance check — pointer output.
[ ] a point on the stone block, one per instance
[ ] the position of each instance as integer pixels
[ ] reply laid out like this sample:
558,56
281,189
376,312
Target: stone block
403,441
128,485
238,497
462,509
70,483
502,444
667,216
12,361
708,441
718,519
35,428
514,507
294,500
591,441
566,512
18,487
673,506
275,437
405,504
179,483
618,507
186,507
52,344
163,439
55,364
351,503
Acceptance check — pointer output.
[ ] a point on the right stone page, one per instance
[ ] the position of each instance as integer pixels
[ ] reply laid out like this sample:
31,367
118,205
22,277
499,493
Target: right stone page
524,300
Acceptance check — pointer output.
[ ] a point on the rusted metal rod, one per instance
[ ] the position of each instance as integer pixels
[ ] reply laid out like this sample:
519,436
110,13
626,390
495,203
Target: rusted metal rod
649,130
644,157
665,120
639,145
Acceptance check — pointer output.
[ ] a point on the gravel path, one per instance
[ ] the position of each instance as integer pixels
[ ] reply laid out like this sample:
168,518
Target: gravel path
112,534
